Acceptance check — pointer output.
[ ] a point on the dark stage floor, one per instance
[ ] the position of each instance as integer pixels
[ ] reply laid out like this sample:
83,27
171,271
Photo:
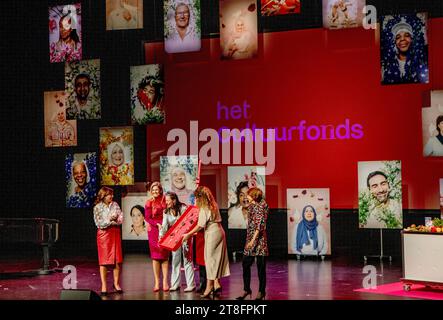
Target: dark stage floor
309,279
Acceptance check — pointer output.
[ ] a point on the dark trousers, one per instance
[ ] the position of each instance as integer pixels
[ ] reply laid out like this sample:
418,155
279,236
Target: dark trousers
261,270
202,273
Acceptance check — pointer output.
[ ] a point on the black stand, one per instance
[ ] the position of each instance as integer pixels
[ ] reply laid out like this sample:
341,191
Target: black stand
381,256
299,256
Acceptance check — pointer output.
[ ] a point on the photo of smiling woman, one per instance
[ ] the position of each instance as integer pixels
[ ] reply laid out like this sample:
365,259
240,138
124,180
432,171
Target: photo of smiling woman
404,49
240,180
116,156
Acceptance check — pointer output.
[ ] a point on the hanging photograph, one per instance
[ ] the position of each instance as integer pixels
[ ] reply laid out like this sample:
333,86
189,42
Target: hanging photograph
124,14
432,128
65,33
178,174
81,179
279,7
117,156
240,180
340,14
147,94
82,85
134,225
379,195
309,222
182,25
59,132
238,29
404,49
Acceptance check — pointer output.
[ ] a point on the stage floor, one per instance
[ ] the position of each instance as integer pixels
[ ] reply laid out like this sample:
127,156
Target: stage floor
308,279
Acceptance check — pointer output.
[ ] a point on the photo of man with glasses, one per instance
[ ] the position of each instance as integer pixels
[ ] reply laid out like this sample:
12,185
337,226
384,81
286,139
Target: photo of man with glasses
182,33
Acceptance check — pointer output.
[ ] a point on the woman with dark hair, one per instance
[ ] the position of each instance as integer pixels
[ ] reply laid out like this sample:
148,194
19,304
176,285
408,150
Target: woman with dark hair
238,213
256,243
69,41
138,226
434,146
216,254
150,93
108,217
154,208
174,209
310,237
147,100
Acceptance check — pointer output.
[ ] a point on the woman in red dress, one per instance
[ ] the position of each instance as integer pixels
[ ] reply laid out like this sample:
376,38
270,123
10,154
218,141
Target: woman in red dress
108,217
154,208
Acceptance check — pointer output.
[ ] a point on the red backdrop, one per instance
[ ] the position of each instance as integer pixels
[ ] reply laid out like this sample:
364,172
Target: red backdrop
323,77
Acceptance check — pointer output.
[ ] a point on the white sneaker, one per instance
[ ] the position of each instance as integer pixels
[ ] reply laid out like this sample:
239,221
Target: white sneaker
189,289
174,288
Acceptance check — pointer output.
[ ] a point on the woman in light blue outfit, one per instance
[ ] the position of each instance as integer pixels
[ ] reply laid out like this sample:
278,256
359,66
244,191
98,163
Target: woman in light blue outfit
310,237
174,209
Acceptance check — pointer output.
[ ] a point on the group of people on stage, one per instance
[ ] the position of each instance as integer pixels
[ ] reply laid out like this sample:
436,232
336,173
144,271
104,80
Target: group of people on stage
162,210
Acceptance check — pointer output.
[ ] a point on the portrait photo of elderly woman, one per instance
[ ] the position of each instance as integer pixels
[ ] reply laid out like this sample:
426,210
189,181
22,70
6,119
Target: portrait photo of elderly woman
404,49
117,156
59,132
147,94
65,36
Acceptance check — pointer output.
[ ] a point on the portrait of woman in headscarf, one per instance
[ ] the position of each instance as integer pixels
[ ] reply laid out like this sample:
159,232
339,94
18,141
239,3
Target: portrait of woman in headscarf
310,237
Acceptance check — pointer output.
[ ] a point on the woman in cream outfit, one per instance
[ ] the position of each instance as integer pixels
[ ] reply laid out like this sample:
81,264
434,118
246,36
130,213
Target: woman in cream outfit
216,254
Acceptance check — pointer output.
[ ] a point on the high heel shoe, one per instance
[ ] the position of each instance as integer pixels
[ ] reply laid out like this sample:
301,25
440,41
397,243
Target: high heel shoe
119,291
177,288
260,296
244,295
218,291
209,295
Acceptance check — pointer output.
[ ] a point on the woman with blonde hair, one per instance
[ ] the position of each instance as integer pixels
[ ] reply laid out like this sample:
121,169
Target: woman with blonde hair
108,217
215,251
154,209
